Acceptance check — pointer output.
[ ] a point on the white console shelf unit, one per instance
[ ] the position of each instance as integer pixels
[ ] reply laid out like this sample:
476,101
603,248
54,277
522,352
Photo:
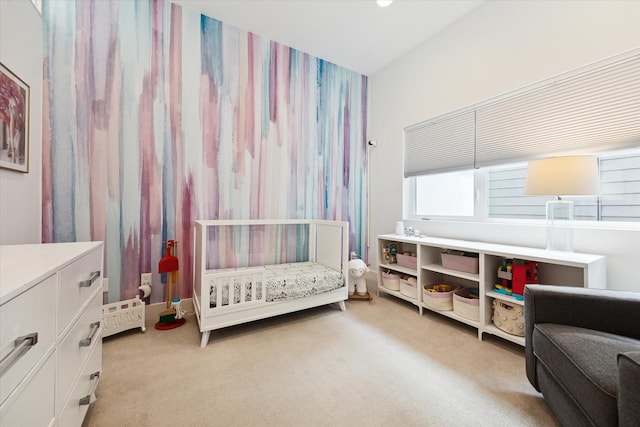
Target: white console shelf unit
554,268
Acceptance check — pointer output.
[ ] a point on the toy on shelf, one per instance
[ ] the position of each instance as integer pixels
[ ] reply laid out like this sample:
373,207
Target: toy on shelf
500,289
504,273
390,253
523,274
170,317
441,287
514,275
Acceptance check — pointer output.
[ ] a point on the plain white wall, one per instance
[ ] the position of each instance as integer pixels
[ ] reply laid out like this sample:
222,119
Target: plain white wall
499,47
21,50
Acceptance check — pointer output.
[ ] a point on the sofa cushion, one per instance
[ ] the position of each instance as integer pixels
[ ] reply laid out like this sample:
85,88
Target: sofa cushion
628,387
584,363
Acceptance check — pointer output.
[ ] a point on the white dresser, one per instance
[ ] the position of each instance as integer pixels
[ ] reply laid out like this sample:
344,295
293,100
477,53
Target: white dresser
50,332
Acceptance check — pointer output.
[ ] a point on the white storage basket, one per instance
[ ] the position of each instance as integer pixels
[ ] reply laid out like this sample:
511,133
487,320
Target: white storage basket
409,287
439,296
466,303
391,281
508,317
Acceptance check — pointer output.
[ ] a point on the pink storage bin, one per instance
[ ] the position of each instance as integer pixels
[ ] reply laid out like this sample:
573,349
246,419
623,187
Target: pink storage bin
408,261
461,263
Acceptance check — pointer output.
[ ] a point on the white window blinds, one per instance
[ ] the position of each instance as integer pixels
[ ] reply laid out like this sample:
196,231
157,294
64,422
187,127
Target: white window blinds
592,109
440,145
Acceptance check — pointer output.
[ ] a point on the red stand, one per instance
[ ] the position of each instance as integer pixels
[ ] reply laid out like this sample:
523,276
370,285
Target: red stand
170,325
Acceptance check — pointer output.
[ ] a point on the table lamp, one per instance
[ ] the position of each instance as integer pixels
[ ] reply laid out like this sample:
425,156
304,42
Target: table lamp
562,176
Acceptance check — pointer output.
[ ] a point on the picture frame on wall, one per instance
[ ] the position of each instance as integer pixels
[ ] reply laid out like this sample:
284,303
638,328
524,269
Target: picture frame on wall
14,121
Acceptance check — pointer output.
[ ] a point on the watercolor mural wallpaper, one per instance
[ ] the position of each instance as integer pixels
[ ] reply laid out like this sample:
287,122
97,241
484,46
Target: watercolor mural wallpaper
155,116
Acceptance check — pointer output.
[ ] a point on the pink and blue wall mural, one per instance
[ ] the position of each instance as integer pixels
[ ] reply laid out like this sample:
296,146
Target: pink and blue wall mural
155,116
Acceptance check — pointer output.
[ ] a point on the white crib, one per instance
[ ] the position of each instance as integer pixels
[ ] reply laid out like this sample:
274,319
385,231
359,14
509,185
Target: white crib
226,295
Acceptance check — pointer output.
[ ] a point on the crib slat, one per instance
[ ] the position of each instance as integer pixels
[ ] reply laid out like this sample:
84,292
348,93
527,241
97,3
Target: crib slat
243,282
254,287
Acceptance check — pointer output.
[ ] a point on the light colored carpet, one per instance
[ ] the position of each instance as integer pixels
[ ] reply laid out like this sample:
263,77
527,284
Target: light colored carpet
378,364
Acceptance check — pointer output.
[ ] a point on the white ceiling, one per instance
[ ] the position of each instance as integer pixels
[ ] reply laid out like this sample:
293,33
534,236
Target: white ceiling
356,34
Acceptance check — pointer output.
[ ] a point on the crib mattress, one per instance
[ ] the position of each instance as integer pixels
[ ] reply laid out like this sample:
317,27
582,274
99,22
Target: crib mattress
282,282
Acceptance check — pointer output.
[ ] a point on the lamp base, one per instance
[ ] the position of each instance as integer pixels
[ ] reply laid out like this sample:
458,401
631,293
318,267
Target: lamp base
560,225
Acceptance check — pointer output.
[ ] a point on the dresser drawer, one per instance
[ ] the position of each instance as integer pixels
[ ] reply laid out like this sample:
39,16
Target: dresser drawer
32,404
77,283
31,312
83,393
76,346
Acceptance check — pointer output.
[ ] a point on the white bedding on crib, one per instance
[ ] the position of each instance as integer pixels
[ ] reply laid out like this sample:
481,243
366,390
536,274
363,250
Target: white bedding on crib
283,282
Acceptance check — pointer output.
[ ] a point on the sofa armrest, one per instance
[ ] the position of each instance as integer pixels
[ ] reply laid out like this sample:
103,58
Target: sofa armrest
628,387
615,312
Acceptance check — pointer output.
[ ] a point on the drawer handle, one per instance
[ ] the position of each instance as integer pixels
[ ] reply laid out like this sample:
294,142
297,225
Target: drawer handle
92,278
23,344
95,378
92,333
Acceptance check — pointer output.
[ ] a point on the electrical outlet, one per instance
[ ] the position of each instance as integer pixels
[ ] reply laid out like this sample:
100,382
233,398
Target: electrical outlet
105,285
145,279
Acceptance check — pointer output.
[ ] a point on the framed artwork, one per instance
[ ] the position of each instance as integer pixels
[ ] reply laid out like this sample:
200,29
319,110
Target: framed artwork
14,121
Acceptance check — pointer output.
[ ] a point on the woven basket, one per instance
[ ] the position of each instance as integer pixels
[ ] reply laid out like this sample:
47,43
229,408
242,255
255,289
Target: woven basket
439,296
508,317
391,281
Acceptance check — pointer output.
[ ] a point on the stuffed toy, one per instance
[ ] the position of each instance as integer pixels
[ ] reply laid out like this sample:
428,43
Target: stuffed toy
357,282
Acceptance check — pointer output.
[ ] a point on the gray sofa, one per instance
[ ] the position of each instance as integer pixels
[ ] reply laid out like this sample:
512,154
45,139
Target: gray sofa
582,350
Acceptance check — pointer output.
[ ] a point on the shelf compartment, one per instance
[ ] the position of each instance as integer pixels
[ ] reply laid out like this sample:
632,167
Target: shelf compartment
396,267
503,297
397,294
493,330
438,268
451,314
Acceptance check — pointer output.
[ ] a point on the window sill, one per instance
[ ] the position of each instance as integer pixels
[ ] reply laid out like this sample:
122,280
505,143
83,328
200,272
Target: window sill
600,225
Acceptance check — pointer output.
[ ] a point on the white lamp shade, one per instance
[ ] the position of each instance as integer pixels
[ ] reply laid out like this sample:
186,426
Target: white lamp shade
563,176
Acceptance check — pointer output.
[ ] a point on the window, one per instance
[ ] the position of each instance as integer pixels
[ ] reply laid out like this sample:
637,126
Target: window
506,198
501,193
620,188
619,198
445,194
